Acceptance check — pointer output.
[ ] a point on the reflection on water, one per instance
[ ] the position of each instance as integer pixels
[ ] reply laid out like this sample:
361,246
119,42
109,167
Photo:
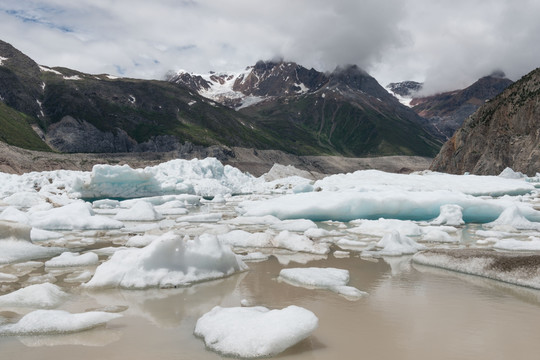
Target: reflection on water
412,312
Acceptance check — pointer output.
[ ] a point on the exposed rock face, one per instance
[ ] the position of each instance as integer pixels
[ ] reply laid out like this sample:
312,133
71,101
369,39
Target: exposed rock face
72,136
448,110
505,132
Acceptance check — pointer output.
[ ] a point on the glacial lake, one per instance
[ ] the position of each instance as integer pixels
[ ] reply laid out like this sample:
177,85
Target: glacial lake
411,312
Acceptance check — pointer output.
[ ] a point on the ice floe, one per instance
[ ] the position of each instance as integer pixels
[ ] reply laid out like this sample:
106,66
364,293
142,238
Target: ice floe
40,296
251,332
40,322
299,243
15,244
168,261
77,215
332,279
140,211
417,205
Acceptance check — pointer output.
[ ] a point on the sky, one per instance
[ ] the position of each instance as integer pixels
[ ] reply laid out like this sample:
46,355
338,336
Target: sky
447,44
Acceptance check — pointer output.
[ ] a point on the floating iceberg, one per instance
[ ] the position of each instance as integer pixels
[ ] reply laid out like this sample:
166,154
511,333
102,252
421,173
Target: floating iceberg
301,243
374,180
251,332
140,211
168,261
207,177
332,279
395,244
403,205
56,322
75,216
40,296
15,244
514,218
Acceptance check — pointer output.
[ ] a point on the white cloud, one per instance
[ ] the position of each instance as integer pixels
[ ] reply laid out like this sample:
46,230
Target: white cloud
447,44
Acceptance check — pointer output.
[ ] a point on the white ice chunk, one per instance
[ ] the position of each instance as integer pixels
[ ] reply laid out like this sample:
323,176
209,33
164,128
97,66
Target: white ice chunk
167,262
438,236
105,204
141,240
513,217
251,332
451,214
75,216
42,296
241,238
15,244
13,214
316,233
533,244
140,211
56,322
395,244
68,259
341,254
508,173
296,242
383,226
175,207
43,235
8,277
201,218
24,199
254,256
332,279
299,225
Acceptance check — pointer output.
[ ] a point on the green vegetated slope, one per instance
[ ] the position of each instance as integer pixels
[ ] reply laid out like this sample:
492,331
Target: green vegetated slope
343,126
16,130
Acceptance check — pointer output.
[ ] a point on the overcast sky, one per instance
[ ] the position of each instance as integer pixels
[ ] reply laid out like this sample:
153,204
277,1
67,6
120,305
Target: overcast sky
446,43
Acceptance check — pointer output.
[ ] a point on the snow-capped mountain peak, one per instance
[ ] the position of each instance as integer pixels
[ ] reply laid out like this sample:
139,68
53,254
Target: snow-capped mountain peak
264,80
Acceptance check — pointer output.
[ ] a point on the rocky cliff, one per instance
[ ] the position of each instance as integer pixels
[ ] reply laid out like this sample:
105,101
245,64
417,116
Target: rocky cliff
448,110
504,132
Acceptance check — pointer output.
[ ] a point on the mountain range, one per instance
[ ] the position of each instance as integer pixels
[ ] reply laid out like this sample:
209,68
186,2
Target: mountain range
272,105
304,111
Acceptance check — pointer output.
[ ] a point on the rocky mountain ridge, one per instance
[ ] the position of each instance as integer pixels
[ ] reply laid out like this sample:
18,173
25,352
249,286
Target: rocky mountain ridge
504,132
345,111
448,110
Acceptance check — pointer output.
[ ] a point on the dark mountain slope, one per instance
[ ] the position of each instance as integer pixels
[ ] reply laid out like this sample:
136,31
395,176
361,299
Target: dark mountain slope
448,110
505,132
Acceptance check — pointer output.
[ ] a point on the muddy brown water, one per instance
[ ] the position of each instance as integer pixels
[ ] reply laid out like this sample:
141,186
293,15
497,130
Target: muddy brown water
412,312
